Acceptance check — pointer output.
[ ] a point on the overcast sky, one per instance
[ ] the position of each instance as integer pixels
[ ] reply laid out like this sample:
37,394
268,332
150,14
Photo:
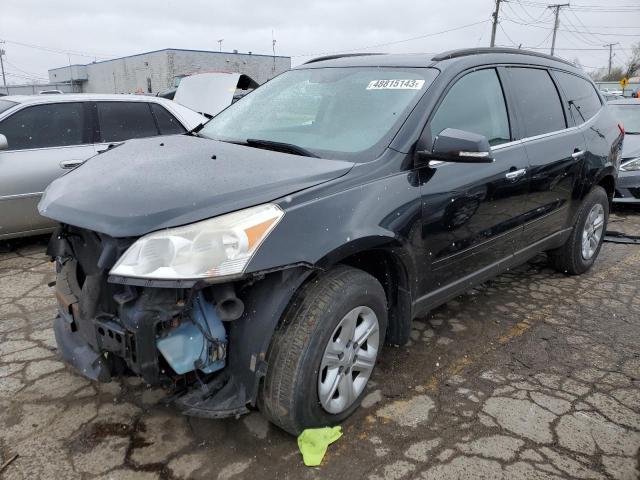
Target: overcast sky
81,31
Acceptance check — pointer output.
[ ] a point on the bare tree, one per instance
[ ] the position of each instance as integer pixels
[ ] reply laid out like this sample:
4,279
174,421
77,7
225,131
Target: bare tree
632,67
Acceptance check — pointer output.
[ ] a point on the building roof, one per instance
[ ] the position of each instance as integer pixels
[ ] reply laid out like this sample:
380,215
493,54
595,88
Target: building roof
83,97
168,50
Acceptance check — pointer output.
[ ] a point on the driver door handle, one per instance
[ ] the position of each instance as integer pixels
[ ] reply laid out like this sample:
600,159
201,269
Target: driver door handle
70,163
514,175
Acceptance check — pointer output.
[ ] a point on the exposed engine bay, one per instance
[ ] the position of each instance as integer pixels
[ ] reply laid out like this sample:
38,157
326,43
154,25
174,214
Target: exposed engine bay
174,335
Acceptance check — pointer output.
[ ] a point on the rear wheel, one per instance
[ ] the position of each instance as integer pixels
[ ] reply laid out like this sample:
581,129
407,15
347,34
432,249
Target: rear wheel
323,353
580,251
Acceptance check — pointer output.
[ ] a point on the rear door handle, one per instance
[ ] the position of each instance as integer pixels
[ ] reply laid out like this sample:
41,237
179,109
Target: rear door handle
515,174
577,154
108,147
71,163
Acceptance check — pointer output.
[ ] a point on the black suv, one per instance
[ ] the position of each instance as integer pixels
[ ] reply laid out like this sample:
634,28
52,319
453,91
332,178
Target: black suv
265,259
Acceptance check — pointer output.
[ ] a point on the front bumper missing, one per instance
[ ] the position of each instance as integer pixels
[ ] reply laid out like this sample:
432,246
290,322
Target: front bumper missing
104,329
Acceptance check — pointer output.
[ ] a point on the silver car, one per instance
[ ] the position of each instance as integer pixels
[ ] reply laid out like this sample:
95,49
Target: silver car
44,136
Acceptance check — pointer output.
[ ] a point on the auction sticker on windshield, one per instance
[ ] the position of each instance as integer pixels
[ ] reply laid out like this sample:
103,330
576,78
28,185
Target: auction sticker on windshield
395,85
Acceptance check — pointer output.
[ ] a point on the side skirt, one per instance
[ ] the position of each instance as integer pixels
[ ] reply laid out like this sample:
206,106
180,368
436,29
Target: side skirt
442,295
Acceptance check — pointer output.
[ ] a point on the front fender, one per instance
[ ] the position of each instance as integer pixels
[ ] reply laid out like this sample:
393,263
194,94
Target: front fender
385,213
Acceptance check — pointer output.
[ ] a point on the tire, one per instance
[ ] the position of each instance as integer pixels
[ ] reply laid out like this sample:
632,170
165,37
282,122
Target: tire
570,258
290,392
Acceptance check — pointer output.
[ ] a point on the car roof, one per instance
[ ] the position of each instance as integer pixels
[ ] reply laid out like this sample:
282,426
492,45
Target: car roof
625,101
82,97
443,60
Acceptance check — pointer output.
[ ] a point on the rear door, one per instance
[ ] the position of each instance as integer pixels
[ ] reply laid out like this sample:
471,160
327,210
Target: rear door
474,212
592,119
45,141
555,151
120,121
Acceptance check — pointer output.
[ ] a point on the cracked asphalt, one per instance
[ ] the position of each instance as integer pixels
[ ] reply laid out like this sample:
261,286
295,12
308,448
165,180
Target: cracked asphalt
533,375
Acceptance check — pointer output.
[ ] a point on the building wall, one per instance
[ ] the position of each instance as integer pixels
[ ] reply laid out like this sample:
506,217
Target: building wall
159,69
128,75
259,67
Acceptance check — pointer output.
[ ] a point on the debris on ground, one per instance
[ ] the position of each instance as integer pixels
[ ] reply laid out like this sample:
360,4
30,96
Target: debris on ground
313,443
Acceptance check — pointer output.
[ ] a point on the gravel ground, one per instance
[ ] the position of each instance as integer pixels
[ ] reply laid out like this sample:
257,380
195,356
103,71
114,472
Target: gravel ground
533,375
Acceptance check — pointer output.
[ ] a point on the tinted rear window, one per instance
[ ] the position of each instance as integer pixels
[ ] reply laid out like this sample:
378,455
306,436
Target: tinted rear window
42,126
539,104
121,121
583,100
167,123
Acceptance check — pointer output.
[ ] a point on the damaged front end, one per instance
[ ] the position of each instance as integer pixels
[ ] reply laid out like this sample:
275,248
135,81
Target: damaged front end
200,341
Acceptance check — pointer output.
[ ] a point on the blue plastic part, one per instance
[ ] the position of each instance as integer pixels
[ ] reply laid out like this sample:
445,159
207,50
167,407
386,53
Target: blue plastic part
185,347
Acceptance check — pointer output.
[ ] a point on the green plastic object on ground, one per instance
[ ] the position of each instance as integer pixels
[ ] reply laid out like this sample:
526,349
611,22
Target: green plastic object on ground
313,443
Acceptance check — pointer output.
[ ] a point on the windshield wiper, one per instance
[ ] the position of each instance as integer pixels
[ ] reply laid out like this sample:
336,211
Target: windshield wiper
280,147
194,131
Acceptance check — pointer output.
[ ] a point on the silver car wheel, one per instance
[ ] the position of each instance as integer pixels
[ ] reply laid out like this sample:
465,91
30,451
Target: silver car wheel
348,359
592,232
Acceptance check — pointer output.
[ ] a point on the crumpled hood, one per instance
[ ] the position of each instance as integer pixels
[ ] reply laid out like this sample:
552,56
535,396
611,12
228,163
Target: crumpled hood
150,184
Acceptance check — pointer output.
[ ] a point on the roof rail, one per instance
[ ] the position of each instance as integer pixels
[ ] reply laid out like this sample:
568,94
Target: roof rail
474,51
340,55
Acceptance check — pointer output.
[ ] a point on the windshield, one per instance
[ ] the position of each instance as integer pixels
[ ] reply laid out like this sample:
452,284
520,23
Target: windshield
629,115
6,105
331,112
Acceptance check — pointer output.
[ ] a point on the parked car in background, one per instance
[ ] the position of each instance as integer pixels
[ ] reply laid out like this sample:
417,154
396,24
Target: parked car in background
628,187
315,218
44,136
609,97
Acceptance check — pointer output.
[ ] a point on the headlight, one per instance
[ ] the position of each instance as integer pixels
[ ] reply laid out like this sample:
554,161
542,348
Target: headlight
212,248
632,165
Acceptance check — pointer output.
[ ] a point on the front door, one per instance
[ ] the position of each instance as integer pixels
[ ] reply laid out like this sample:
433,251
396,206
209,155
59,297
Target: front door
45,141
473,213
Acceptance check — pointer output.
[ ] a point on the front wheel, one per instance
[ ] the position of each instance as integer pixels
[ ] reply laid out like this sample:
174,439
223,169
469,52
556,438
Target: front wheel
324,351
580,251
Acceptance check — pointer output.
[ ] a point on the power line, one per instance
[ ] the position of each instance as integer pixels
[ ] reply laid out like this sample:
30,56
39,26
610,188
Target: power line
578,31
379,45
60,51
507,35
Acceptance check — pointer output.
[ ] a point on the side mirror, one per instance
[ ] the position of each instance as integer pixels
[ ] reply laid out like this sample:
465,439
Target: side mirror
3,142
453,145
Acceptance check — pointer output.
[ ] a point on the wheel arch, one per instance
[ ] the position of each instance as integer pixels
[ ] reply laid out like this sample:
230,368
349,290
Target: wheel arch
389,262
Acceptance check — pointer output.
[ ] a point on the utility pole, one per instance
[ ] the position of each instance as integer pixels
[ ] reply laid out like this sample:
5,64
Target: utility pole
495,14
220,43
4,79
610,45
556,24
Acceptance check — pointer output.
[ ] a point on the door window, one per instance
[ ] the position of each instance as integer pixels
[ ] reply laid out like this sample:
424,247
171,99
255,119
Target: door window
583,101
167,123
121,121
43,126
475,104
538,101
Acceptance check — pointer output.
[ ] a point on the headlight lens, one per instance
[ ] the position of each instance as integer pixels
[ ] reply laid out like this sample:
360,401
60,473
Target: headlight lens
216,247
632,165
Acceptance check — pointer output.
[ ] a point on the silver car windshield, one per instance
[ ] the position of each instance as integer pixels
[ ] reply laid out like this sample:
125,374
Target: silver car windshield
331,112
6,105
